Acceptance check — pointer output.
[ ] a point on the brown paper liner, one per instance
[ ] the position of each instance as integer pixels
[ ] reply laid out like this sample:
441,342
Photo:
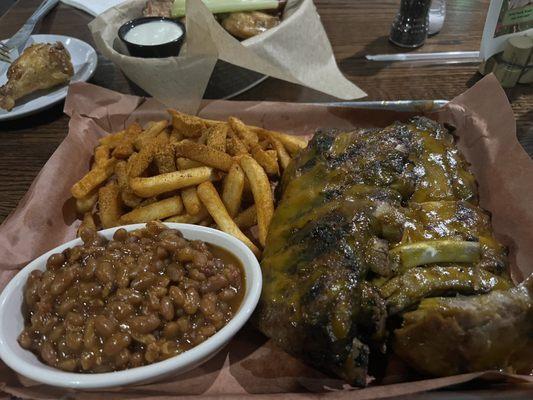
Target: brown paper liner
250,365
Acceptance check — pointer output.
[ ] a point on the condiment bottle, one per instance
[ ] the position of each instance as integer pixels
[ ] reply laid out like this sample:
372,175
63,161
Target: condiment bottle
410,28
527,74
514,59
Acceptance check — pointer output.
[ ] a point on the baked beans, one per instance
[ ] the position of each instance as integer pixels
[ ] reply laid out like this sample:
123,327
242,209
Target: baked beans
142,297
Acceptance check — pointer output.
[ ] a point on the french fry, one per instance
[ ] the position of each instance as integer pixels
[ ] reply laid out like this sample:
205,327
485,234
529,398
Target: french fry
232,189
262,194
235,146
270,165
152,186
159,210
204,154
216,137
113,139
272,154
291,142
125,148
128,197
188,125
140,161
164,159
247,218
101,154
189,219
212,201
186,163
175,136
148,201
148,134
144,158
86,203
109,207
248,136
86,223
283,157
94,178
191,201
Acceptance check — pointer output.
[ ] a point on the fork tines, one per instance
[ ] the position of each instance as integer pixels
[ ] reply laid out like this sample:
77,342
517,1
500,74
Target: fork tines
4,53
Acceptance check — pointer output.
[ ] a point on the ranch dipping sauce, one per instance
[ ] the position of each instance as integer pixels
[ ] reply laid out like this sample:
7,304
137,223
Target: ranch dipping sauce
154,33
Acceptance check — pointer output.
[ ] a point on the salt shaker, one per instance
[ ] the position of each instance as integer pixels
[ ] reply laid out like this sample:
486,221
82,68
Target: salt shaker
410,28
437,14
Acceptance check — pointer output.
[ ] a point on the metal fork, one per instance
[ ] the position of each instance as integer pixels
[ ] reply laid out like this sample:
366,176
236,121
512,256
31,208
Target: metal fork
19,39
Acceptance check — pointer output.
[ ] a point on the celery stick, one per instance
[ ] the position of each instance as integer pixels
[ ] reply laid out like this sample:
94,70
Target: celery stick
225,6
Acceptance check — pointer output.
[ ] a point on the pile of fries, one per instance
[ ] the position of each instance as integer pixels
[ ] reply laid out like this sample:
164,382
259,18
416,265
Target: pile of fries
192,170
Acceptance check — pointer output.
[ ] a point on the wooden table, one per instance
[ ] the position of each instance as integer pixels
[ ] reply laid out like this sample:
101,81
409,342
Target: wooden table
355,28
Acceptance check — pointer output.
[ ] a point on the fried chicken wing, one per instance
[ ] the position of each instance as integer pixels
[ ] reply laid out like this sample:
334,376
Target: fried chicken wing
41,66
244,25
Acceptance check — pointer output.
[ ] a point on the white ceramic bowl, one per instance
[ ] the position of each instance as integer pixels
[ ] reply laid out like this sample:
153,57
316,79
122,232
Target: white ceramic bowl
26,363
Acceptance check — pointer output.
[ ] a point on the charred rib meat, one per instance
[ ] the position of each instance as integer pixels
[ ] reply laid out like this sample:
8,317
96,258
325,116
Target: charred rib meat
371,222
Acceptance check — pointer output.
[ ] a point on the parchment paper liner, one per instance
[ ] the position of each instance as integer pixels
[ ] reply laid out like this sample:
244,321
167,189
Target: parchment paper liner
297,50
250,365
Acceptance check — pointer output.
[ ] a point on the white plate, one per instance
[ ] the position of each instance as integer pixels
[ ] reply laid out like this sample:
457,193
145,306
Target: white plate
84,61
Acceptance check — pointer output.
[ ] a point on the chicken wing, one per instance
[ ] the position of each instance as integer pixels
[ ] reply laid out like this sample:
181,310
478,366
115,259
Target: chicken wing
41,66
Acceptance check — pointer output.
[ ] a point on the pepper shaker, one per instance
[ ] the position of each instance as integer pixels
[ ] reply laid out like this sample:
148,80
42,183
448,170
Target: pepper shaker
410,28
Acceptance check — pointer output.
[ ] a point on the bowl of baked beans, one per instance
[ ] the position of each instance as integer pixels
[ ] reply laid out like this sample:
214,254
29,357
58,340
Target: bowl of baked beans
127,305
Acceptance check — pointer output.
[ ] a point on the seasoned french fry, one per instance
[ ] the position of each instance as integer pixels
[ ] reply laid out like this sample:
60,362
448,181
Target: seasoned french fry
235,146
232,189
101,154
86,203
272,154
175,136
113,139
109,208
148,201
128,197
143,158
189,219
86,223
191,201
216,137
125,148
164,159
186,163
265,144
159,210
204,154
247,218
291,142
283,157
188,125
152,186
138,163
262,194
148,134
212,201
94,178
248,136
270,165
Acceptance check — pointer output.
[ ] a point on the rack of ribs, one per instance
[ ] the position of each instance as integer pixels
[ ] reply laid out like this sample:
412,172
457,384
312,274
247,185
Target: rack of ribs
370,223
